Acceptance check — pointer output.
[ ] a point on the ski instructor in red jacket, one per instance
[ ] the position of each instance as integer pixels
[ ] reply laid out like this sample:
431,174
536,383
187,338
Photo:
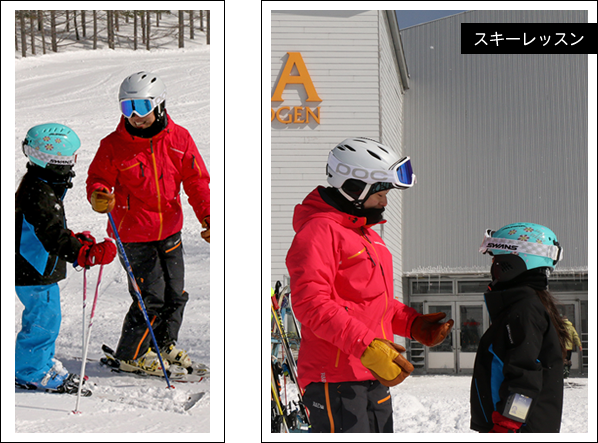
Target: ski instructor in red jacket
342,288
136,175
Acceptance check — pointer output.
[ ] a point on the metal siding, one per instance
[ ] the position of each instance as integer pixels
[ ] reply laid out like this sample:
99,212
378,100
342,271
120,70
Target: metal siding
391,130
340,51
494,139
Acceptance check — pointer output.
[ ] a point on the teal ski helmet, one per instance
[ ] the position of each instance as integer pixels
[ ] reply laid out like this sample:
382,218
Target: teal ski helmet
521,247
51,145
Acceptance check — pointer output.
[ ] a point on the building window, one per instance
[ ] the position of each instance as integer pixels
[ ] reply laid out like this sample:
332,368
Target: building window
568,285
473,287
419,287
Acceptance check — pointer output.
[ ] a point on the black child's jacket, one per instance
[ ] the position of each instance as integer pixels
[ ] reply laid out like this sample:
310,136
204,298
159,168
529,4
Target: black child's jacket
43,243
519,353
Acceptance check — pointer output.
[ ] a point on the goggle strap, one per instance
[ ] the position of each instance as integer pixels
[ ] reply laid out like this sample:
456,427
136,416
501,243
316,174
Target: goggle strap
517,246
65,160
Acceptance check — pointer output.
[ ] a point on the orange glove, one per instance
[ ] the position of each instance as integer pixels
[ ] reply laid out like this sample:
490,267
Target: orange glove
382,357
427,330
214,231
102,201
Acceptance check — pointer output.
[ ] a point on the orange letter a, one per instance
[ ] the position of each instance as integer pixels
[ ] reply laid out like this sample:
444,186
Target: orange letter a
295,59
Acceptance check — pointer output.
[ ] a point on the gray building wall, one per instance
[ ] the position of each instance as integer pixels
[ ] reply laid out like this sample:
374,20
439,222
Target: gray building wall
494,139
352,59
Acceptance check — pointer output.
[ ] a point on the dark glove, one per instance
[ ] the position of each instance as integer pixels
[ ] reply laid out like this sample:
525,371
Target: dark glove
427,330
214,231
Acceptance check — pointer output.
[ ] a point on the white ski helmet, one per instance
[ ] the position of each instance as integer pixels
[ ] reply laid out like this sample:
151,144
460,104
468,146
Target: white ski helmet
141,93
359,167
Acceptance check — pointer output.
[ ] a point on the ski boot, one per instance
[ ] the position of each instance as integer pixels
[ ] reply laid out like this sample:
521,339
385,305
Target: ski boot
176,356
181,364
148,363
57,380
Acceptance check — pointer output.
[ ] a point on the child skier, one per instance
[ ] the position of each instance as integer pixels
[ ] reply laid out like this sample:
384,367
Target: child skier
43,245
517,383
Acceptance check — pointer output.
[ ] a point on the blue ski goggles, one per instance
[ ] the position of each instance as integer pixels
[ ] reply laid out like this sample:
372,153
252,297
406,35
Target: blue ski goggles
139,106
405,178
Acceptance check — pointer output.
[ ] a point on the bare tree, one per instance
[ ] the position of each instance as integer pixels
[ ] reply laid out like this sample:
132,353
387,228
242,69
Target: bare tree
53,30
147,22
42,29
32,30
191,33
83,30
110,24
75,25
95,29
208,27
23,33
135,13
181,30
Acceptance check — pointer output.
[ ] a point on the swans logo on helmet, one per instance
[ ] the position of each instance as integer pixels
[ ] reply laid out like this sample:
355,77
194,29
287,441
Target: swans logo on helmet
500,246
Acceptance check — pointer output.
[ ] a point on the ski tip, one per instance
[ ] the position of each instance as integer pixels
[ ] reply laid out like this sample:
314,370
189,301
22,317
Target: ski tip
75,413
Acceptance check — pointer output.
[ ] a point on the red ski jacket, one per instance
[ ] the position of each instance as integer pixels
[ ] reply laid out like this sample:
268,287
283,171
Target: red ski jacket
145,175
342,292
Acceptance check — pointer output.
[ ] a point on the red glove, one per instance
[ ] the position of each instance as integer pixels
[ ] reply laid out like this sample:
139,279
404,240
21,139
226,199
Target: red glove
427,330
85,237
504,424
92,254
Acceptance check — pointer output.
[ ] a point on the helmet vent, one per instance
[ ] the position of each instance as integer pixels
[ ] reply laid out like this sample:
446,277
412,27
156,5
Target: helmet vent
373,154
382,149
349,148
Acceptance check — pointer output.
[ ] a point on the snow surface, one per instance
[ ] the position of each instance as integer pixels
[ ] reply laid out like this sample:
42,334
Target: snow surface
79,88
440,404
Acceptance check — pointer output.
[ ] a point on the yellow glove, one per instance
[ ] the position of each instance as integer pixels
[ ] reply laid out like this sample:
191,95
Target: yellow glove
102,201
214,231
382,357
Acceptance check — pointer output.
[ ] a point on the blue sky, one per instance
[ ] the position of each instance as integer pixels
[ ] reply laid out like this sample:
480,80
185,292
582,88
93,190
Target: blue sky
411,18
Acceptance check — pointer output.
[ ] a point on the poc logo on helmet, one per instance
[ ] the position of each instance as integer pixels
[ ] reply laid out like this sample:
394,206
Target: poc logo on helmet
500,246
363,174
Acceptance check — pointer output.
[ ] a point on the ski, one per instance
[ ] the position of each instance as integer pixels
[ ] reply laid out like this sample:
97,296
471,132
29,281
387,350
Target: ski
70,386
298,419
278,421
194,374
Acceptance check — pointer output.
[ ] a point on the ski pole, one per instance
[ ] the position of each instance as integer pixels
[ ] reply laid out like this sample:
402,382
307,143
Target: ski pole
219,294
129,270
87,336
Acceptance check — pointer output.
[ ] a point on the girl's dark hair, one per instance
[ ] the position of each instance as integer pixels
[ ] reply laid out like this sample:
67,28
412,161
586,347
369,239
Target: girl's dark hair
550,303
14,203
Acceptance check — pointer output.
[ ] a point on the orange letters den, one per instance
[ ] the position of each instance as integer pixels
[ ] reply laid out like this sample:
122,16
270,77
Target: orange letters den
297,114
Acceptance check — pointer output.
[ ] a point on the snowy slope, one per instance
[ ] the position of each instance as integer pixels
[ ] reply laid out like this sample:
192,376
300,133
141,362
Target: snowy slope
79,88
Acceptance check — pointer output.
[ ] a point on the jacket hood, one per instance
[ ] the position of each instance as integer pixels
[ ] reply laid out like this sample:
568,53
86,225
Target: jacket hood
498,301
314,206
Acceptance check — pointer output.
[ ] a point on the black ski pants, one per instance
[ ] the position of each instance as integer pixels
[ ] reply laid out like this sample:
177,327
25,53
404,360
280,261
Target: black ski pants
363,406
159,270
